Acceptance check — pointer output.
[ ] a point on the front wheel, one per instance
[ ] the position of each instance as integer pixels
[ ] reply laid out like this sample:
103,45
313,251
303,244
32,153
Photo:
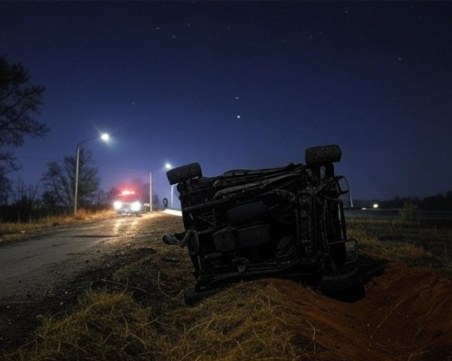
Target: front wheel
346,285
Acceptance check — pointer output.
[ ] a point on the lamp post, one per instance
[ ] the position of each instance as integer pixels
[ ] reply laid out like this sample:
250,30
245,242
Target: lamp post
150,191
168,166
105,137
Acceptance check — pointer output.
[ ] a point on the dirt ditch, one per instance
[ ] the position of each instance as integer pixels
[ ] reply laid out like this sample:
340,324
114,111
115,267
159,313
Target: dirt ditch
405,315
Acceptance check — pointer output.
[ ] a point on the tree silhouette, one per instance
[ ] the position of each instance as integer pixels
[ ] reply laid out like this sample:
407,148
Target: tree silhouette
19,101
59,181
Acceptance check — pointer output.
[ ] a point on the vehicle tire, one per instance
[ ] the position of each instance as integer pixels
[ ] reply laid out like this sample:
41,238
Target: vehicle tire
325,154
184,173
345,286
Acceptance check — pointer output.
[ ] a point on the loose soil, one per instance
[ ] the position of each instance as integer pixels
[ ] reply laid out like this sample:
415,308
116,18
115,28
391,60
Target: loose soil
404,315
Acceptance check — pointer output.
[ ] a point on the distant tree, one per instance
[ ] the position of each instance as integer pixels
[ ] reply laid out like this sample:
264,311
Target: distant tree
5,190
408,211
25,199
111,194
100,198
59,181
19,100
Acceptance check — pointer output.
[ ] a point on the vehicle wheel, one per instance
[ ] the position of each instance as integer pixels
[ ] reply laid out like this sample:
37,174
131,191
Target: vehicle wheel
344,286
165,202
323,155
184,173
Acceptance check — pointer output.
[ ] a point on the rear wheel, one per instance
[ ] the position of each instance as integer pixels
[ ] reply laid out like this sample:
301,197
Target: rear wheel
346,285
322,155
184,173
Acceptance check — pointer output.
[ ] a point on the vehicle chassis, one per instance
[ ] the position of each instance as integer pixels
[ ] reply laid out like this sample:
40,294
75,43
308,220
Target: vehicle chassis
247,224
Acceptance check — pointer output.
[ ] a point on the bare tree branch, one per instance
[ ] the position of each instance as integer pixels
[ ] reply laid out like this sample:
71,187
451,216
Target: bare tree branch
19,100
59,180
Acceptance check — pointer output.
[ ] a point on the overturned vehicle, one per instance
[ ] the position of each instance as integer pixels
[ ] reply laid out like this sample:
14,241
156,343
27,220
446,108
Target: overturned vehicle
283,222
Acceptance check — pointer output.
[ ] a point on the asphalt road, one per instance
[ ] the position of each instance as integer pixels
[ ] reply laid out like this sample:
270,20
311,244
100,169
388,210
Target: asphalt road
38,264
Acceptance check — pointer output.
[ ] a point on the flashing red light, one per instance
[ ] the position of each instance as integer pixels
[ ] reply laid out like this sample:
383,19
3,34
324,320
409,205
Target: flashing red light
127,192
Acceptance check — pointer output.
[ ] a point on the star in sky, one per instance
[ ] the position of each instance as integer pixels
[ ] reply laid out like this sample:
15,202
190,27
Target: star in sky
376,81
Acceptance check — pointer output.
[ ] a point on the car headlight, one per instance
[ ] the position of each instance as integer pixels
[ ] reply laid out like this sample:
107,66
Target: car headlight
136,206
117,205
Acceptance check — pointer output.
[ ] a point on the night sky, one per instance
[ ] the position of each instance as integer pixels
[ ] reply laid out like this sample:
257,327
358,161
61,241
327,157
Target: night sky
241,85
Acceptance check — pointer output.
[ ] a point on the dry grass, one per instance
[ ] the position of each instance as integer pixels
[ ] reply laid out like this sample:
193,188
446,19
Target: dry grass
17,230
106,326
147,319
244,322
416,243
394,251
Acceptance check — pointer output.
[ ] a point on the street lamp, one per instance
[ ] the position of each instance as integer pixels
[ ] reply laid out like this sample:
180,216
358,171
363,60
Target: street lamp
150,192
168,166
104,137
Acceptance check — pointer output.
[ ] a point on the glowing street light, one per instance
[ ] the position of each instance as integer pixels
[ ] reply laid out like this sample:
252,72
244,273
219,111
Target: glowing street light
104,137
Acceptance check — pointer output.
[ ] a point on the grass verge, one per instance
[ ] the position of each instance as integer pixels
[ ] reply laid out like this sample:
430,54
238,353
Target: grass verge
418,244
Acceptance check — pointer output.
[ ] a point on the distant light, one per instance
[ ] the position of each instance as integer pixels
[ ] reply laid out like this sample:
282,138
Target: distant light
375,205
168,166
135,206
117,205
238,116
127,192
105,137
